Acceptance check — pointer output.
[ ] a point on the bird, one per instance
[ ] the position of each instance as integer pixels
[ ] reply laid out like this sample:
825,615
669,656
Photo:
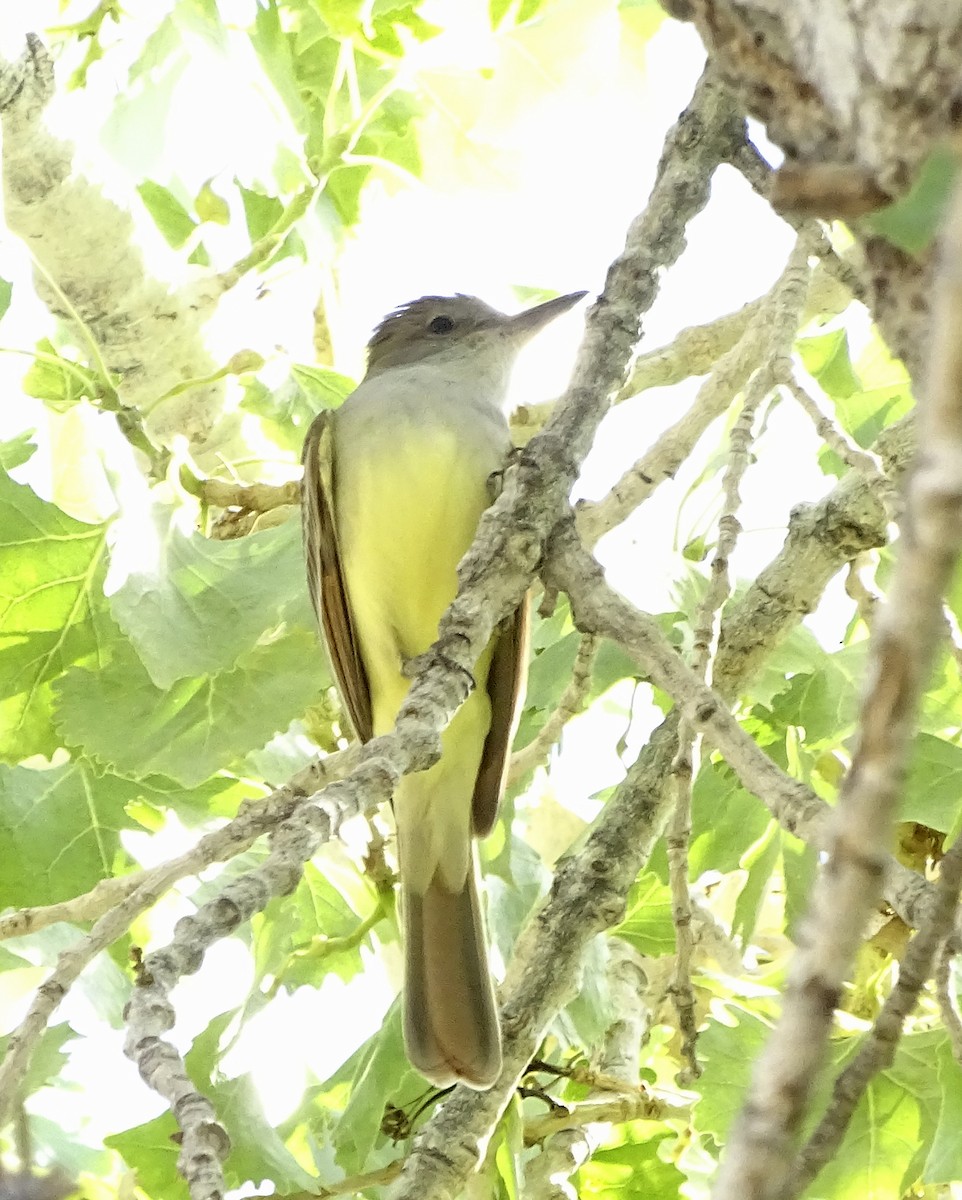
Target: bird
395,483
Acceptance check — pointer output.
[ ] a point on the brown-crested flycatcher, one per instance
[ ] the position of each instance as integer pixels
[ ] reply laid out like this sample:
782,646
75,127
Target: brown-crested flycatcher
395,483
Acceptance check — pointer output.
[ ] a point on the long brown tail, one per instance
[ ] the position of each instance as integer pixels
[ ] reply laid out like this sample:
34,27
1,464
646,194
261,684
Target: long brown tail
451,1025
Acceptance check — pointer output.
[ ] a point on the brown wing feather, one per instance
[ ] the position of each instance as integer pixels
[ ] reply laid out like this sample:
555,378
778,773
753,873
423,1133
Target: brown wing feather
325,578
506,680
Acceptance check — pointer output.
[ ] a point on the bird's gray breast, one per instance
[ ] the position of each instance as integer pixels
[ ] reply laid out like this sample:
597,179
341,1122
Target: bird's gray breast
409,403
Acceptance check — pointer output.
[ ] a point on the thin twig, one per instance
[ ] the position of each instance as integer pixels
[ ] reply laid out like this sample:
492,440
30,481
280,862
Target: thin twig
597,608
570,704
836,439
640,1107
947,994
570,1136
865,597
705,634
253,820
775,320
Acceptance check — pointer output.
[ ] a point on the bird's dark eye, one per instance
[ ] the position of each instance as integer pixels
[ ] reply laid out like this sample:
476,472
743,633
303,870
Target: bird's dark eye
441,325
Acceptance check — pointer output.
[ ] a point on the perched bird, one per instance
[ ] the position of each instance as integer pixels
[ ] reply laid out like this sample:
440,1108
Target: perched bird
395,483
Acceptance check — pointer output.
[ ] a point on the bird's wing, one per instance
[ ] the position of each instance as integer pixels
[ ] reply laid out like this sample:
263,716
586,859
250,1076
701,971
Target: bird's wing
506,680
325,576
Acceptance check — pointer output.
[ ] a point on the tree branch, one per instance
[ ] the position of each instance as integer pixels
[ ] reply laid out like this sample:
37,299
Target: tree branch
901,649
769,332
254,819
570,704
878,1047
145,339
947,995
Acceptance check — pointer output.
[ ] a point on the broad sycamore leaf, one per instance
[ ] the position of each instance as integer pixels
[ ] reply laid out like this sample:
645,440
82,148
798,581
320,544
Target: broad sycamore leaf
52,613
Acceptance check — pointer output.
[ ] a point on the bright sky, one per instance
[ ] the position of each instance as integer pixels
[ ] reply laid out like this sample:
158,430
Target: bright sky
537,195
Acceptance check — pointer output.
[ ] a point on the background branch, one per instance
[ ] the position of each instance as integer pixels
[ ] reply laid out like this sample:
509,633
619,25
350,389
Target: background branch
877,1051
903,644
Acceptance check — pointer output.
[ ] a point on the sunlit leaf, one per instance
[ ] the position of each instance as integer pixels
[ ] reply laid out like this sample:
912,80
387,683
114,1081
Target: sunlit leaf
170,216
382,1075
648,924
912,221
59,831
197,726
52,612
202,603
211,207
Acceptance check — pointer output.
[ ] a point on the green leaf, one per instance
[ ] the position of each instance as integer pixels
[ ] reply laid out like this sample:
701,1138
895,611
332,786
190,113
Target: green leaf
798,653
199,256
150,797
523,11
164,43
344,191
170,216
52,612
589,1015
888,1138
799,867
726,821
864,414
202,603
944,1162
273,47
211,207
261,212
648,925
382,1074
287,412
824,704
912,222
12,962
612,664
256,1153
151,1150
695,550
18,450
324,387
388,16
760,862
934,783
826,358
515,879
53,1142
633,1170
642,17
47,1060
892,1126
727,1050
342,17
198,726
550,672
59,831
6,292
61,383
293,940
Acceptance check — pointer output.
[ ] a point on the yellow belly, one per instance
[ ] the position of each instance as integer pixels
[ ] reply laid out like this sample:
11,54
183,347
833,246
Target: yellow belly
406,515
